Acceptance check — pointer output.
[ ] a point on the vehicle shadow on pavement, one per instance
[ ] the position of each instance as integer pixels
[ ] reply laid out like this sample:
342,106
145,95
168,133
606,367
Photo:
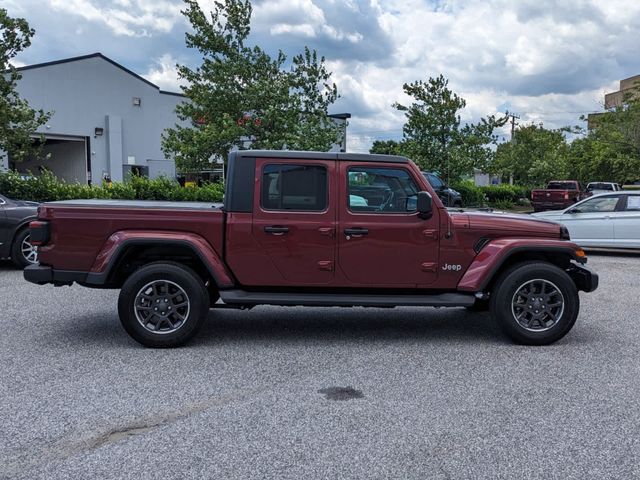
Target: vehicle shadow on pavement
270,324
302,325
7,265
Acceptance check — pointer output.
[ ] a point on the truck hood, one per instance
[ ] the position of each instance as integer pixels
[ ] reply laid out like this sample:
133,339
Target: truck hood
510,224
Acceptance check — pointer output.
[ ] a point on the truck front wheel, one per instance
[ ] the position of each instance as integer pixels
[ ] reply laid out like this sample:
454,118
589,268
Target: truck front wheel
163,304
535,303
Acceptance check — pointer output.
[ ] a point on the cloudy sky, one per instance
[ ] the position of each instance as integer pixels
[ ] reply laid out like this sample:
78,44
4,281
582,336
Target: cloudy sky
546,60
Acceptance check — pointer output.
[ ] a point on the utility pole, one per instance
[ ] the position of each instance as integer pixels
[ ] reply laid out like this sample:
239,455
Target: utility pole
513,124
513,117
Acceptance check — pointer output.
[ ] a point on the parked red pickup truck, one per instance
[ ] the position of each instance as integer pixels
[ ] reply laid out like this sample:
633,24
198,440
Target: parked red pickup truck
314,229
558,195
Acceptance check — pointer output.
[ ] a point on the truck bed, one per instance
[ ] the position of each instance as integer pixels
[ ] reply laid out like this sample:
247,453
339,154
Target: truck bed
80,228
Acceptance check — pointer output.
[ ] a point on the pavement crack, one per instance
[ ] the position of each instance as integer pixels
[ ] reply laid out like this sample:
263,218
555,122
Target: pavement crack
63,448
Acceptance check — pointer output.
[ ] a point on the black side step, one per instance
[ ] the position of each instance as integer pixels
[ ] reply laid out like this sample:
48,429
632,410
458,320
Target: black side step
241,297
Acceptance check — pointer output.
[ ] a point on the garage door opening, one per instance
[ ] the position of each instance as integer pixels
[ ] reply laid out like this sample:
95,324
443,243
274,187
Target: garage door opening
65,157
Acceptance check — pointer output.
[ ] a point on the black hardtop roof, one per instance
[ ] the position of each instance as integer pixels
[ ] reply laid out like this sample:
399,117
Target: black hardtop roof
299,155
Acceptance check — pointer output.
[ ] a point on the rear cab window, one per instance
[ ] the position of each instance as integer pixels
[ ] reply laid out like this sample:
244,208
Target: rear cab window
562,186
294,187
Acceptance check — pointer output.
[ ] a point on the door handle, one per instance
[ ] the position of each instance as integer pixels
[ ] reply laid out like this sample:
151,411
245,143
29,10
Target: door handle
355,232
276,230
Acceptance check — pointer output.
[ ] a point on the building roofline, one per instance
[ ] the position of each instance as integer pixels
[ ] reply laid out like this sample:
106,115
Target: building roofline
96,55
629,78
342,116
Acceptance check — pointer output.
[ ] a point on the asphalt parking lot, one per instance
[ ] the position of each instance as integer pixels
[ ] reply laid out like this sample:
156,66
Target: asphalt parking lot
436,393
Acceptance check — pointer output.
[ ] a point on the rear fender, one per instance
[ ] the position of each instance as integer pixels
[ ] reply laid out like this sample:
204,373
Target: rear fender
116,244
496,253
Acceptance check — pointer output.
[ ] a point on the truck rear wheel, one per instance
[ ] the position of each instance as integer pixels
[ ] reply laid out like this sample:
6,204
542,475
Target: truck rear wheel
163,304
535,303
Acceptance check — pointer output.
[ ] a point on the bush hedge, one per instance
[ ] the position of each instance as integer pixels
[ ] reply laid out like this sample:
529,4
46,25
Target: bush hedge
499,196
47,187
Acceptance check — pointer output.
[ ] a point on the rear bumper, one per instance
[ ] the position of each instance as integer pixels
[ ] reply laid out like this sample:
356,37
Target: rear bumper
584,278
41,275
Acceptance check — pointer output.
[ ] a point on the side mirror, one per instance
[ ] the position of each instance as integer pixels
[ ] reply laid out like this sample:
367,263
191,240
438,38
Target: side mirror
424,205
574,210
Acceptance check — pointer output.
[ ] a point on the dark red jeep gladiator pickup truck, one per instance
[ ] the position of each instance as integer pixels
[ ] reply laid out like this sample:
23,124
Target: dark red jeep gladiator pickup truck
314,229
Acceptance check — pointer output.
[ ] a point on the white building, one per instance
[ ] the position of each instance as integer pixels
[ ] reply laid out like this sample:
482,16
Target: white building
107,121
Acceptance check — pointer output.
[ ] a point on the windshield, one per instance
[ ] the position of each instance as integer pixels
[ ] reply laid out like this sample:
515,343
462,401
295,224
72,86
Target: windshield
434,180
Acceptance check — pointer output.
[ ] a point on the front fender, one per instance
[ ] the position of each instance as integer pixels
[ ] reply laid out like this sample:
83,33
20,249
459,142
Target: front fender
109,254
495,253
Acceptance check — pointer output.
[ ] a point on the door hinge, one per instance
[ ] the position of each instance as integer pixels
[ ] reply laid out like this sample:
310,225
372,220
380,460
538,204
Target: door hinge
326,265
429,267
328,231
433,234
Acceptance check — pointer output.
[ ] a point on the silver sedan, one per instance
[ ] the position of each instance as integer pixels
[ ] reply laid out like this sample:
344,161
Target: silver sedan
608,220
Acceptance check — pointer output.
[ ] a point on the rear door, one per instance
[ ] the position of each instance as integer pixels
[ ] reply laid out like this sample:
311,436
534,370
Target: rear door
381,240
626,223
294,220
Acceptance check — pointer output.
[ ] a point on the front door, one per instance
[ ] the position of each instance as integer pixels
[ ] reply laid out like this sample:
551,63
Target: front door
591,223
294,220
381,240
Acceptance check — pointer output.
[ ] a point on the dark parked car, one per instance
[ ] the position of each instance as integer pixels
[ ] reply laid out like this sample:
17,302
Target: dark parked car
449,196
15,239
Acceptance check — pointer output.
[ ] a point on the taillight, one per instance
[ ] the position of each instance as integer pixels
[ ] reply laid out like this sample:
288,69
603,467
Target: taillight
39,231
566,195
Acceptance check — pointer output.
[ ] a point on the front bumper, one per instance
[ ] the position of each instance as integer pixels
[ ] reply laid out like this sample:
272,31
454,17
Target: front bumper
41,275
584,278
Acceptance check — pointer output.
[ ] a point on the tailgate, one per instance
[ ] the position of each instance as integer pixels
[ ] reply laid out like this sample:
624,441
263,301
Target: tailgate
550,195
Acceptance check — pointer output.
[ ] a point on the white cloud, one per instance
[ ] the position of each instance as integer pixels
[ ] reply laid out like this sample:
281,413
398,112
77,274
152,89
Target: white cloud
547,60
164,73
133,18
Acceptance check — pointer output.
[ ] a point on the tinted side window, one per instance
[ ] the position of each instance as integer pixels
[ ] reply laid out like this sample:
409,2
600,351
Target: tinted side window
294,187
383,190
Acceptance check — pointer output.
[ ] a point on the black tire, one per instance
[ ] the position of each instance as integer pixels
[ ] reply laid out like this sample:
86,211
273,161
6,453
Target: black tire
17,255
183,294
552,322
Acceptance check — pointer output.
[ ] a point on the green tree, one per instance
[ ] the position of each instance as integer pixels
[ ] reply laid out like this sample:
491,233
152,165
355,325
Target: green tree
240,96
535,156
387,147
434,135
611,150
18,121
